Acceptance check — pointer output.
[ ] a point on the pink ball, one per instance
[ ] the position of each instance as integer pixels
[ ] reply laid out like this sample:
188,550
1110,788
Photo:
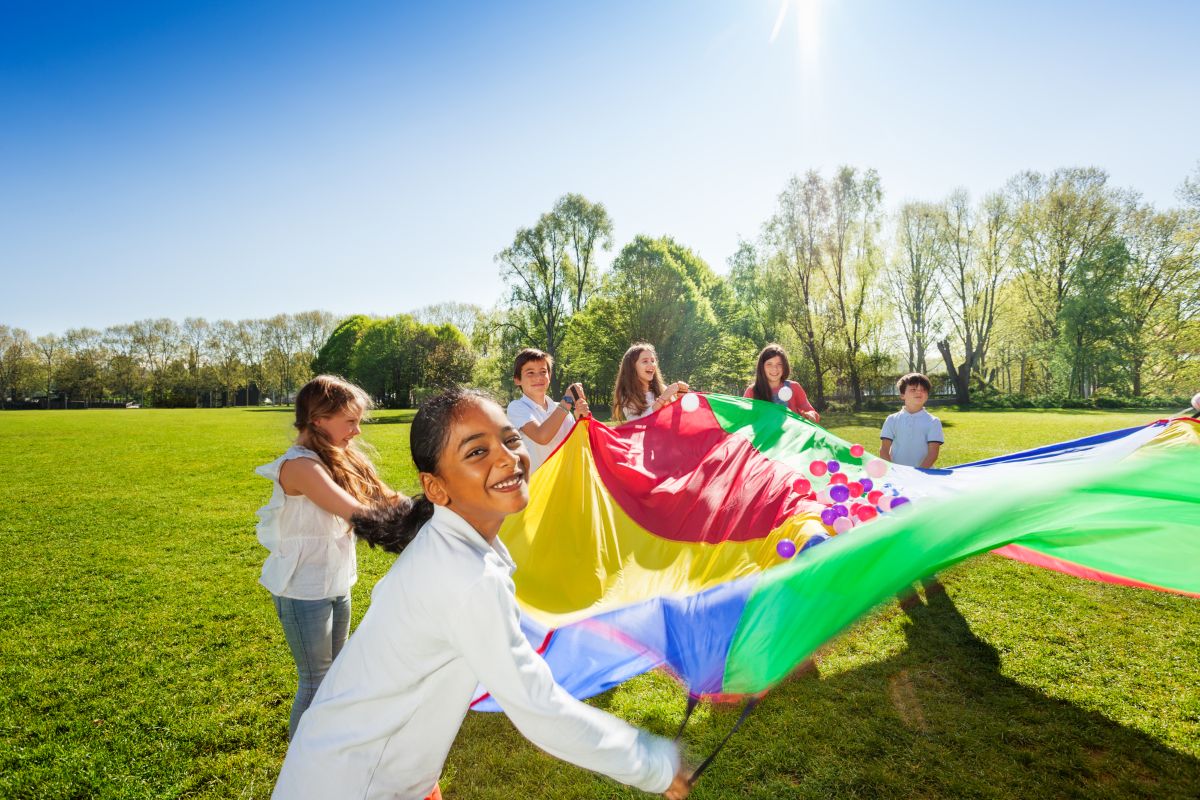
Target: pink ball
801,486
856,488
873,497
838,478
857,450
818,468
876,467
1196,401
842,524
885,503
866,514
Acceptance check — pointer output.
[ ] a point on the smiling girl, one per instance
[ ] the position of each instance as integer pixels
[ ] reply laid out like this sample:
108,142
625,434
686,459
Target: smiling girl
320,482
443,620
640,389
772,385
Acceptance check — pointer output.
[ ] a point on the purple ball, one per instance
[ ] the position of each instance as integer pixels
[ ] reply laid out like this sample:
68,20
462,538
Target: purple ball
898,501
840,493
786,548
841,510
867,484
834,466
828,516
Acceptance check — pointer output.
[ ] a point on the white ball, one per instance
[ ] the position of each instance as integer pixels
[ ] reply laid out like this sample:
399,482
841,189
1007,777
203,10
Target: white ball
1196,401
690,401
785,393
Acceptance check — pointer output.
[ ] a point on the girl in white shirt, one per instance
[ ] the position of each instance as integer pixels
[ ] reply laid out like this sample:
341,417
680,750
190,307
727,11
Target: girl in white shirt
320,482
640,390
443,620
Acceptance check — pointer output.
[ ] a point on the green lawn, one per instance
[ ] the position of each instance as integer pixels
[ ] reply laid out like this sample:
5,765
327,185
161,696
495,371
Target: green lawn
139,657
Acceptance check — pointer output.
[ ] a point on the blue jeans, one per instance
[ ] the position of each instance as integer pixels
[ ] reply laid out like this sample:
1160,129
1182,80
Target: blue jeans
315,631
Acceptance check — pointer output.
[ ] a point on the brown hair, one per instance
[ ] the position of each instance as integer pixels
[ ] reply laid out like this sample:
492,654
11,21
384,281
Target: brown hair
627,391
913,379
325,396
762,386
531,354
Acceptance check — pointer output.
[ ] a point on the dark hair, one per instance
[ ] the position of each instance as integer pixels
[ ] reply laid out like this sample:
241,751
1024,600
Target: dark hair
392,526
531,354
762,386
913,379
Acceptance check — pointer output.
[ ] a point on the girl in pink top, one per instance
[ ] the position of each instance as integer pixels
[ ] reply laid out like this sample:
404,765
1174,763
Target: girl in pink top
772,385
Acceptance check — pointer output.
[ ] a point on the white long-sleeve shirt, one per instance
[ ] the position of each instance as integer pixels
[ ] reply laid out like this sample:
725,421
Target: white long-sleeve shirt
443,619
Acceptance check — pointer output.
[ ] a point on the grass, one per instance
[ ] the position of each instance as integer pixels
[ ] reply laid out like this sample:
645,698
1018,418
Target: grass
139,657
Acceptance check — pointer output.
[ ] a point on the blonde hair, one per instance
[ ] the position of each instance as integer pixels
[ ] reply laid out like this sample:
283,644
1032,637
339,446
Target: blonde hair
351,469
627,391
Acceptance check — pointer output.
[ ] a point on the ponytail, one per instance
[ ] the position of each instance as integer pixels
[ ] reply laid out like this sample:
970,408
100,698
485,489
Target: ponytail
393,526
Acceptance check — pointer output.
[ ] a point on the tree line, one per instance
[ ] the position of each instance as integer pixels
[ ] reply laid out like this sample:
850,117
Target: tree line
1056,286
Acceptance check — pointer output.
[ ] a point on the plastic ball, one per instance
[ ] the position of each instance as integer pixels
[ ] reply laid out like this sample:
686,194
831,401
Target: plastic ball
690,401
885,504
840,510
866,514
873,497
833,466
785,393
876,467
856,488
838,478
839,493
867,484
1196,401
801,486
898,501
857,450
823,497
842,525
786,548
815,540
829,516
817,468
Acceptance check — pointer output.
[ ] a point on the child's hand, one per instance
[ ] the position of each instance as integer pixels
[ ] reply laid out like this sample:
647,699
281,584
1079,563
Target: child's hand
581,409
681,787
681,387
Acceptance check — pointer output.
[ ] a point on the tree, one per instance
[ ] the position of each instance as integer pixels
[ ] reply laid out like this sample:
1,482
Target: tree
587,226
1163,255
760,293
853,264
793,235
49,348
16,350
536,271
978,253
923,248
81,367
335,355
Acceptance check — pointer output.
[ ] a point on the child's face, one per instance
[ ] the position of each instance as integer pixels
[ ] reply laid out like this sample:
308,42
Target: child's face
914,397
483,474
773,369
535,378
647,366
342,427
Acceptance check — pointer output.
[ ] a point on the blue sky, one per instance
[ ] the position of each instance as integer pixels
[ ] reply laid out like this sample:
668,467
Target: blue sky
241,159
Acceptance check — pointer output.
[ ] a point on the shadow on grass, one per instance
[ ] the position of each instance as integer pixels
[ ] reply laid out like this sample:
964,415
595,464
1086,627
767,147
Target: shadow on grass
937,720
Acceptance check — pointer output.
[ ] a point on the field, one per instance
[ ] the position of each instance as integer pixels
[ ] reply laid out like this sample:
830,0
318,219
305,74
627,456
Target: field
140,658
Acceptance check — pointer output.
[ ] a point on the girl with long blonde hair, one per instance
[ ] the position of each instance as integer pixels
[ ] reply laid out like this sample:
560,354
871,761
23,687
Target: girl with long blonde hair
319,483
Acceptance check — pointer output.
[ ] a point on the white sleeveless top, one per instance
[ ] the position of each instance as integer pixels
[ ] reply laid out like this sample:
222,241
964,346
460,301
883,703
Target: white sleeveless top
312,551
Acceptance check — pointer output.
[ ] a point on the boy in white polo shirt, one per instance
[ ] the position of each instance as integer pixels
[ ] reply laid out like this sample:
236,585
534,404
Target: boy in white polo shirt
912,436
543,424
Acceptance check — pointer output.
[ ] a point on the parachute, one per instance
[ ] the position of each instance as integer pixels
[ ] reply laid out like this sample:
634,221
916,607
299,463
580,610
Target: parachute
727,539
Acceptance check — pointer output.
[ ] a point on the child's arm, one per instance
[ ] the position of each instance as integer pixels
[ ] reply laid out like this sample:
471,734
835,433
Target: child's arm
486,631
543,433
668,397
310,478
885,449
931,455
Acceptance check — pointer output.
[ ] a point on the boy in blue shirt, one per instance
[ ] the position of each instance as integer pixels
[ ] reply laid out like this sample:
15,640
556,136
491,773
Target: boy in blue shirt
912,436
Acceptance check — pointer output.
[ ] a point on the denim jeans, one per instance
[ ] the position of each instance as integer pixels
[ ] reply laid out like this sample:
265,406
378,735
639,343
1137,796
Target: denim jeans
315,631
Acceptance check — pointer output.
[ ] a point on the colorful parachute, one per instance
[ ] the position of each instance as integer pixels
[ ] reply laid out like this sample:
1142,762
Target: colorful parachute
669,541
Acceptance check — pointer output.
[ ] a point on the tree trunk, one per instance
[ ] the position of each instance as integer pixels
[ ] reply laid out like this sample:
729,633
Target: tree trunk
961,376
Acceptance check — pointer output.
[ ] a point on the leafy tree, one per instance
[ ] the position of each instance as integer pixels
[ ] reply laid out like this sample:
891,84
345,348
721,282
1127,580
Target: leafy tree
16,349
922,249
334,356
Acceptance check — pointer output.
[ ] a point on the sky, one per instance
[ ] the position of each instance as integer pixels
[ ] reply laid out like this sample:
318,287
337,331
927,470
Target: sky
234,160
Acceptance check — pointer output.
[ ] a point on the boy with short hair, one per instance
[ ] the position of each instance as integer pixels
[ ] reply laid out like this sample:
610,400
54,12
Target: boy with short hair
912,436
543,424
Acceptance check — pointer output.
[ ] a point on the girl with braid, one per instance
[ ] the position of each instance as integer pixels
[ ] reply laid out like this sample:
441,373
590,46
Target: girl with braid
319,483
